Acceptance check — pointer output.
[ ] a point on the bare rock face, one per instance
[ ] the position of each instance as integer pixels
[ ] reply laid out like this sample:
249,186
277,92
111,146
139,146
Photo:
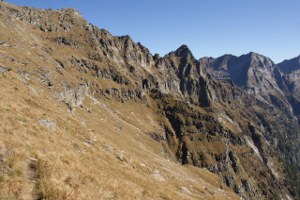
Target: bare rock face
274,91
185,77
51,125
45,20
255,74
288,66
73,97
291,70
293,80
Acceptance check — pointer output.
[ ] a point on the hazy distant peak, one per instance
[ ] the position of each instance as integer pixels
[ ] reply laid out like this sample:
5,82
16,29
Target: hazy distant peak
257,60
290,65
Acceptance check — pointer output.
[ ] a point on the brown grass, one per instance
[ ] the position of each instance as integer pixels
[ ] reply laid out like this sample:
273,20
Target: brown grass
100,151
78,161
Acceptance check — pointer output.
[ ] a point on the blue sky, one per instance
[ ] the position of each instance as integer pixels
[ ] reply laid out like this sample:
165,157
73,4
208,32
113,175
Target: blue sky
208,27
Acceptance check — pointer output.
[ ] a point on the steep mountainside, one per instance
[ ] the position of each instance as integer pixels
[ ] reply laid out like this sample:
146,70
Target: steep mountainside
75,124
288,66
87,115
256,74
276,97
291,68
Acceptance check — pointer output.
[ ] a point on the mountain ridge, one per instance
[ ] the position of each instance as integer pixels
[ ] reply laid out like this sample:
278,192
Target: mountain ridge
102,82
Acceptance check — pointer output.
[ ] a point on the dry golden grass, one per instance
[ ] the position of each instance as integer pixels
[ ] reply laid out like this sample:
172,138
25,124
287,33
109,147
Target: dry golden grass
99,151
107,157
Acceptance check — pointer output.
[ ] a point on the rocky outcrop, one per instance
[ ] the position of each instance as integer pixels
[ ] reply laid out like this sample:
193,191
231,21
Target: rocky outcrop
73,96
2,69
291,70
183,75
44,20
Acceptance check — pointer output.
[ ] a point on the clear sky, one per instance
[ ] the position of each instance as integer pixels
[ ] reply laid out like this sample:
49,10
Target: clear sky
208,27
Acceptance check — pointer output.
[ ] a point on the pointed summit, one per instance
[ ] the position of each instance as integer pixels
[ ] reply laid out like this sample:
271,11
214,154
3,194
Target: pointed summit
184,51
183,48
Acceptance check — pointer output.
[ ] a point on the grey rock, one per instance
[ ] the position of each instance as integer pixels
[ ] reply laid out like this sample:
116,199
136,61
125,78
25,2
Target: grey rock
48,123
73,97
157,176
65,41
291,68
185,190
288,66
2,69
254,73
120,156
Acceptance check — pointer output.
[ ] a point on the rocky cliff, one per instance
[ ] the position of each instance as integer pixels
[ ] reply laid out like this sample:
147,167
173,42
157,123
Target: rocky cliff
273,87
256,74
79,94
291,70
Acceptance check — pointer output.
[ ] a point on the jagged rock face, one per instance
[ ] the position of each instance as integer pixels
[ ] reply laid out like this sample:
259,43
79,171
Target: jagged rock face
291,68
261,78
294,80
288,66
209,122
46,20
122,50
189,80
256,74
201,139
217,68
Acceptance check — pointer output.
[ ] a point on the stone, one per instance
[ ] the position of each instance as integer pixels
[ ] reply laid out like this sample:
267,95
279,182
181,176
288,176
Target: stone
49,124
157,176
120,156
2,69
185,190
73,97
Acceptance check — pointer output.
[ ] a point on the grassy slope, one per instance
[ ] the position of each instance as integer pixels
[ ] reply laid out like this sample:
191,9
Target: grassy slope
84,161
100,151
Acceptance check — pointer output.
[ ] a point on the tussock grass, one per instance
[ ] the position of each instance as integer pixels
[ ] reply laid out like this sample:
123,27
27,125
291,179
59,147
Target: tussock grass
80,159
